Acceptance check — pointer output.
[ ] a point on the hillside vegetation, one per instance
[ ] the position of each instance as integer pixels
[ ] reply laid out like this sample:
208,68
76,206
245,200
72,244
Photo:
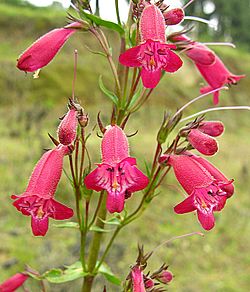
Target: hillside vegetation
29,109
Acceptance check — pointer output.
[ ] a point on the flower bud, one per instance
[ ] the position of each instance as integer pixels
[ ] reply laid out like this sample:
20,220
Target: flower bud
202,142
67,128
212,128
42,51
174,16
149,283
165,277
83,120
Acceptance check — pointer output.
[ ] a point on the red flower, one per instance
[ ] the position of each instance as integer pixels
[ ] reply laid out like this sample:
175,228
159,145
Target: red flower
13,283
117,174
38,199
207,187
42,51
209,64
153,54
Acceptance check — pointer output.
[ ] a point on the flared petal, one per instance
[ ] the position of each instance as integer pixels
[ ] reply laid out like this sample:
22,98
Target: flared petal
115,201
173,63
59,211
206,219
130,57
185,206
98,179
39,225
135,179
150,78
225,184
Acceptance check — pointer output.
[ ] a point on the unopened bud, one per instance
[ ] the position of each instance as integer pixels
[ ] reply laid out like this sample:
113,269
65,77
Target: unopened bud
165,277
174,16
83,120
212,128
204,143
67,128
163,159
149,283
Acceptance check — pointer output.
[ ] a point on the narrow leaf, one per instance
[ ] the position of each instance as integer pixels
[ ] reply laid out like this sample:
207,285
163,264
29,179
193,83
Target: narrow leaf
108,274
98,229
61,276
107,92
105,23
111,221
67,225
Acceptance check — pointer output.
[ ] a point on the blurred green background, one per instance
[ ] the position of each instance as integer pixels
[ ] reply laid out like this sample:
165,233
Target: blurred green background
29,109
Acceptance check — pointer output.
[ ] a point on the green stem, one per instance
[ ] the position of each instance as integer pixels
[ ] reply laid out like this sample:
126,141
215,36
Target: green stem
95,246
117,11
82,156
97,9
108,247
104,44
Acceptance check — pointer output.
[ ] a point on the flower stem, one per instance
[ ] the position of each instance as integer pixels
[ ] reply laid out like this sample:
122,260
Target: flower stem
222,108
95,246
117,12
104,44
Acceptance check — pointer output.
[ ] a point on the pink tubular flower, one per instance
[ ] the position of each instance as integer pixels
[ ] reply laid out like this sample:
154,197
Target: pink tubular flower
137,279
38,199
42,51
207,187
202,142
13,283
212,128
68,126
117,174
210,66
153,54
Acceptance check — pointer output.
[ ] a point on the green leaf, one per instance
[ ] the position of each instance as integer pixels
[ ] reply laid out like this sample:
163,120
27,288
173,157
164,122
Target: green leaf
108,274
67,225
107,92
148,171
98,229
71,273
105,23
111,221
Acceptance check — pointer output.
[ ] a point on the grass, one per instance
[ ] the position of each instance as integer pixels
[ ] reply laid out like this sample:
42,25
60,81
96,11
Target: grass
30,108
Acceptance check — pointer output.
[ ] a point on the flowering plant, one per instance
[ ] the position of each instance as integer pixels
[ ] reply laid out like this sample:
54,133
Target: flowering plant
147,52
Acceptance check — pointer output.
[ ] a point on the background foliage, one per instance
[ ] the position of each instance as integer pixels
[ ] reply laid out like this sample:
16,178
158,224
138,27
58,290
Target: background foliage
30,108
